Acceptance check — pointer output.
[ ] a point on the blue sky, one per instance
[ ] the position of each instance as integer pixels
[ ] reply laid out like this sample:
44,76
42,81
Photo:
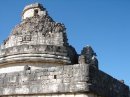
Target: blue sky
103,24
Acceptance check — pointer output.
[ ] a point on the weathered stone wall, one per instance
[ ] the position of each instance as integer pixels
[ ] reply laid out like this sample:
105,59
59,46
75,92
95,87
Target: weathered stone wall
38,41
37,30
60,79
105,85
61,95
32,49
78,78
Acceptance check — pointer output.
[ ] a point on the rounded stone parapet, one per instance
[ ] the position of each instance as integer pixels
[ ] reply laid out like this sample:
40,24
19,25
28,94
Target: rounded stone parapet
39,58
39,49
34,53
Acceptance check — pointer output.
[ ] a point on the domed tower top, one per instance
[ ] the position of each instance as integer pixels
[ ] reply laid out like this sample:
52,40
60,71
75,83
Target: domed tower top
37,39
33,10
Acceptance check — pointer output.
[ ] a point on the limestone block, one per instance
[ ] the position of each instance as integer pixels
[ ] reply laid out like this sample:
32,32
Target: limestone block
84,68
53,88
53,81
92,95
45,88
59,76
48,95
45,82
81,95
55,95
66,87
61,87
62,95
22,90
59,80
79,79
44,77
66,80
80,86
69,95
50,77
39,74
76,72
23,79
28,13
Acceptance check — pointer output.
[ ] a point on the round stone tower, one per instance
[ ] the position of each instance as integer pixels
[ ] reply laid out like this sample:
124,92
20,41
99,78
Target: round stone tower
33,10
38,41
36,60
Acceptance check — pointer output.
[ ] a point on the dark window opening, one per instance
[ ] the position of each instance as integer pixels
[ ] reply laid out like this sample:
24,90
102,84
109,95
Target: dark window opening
36,12
55,76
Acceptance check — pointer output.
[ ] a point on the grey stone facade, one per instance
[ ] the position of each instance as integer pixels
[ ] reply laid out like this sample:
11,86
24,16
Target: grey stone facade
75,78
50,66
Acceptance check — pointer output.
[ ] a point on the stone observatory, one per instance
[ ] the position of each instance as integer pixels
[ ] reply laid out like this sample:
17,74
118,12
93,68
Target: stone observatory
36,60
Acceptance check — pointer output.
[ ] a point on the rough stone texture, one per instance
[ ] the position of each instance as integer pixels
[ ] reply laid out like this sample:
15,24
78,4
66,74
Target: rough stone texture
76,78
33,10
44,53
48,64
59,79
61,95
38,35
37,30
105,85
88,56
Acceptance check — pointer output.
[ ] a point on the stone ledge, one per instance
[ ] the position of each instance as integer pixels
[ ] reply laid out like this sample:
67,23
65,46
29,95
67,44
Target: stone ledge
22,49
105,85
39,58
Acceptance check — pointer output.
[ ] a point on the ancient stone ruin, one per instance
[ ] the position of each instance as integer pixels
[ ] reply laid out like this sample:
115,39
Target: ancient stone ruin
36,60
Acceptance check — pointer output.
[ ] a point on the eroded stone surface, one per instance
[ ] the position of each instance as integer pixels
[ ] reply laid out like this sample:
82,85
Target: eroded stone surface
61,95
37,38
76,78
45,65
